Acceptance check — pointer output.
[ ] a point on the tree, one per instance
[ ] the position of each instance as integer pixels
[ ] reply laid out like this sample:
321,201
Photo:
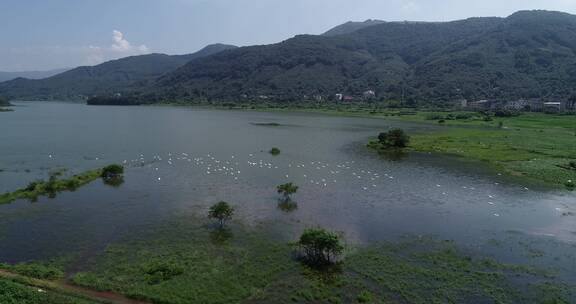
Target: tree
112,171
287,190
395,138
319,246
275,151
221,211
4,101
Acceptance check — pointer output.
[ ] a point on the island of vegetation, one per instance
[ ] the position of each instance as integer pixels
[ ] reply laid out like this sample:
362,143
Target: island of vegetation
110,175
4,103
274,151
532,146
266,124
112,101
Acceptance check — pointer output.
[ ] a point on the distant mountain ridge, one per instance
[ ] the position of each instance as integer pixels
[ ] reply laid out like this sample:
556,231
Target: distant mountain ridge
351,26
5,76
111,77
530,54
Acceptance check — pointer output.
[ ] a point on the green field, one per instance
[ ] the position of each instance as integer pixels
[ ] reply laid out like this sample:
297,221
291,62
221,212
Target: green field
538,147
189,261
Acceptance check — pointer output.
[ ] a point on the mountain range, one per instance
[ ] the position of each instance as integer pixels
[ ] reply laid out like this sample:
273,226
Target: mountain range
530,54
5,76
111,77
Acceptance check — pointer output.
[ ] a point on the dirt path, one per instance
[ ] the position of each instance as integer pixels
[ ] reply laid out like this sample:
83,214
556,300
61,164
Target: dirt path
66,288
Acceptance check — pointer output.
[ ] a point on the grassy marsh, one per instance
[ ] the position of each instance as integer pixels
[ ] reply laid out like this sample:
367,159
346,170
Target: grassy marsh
188,262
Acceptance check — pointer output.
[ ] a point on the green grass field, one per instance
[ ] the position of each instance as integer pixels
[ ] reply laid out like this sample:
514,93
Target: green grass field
189,262
538,147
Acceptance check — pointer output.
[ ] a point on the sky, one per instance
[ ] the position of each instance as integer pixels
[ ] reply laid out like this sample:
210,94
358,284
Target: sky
51,34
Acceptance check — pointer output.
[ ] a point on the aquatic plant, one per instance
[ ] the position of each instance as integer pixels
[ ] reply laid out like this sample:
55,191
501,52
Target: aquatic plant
274,151
221,211
319,246
395,138
35,270
54,185
287,205
287,190
111,171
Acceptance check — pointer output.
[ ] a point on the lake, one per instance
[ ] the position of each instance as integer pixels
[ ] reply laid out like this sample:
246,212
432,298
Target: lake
181,160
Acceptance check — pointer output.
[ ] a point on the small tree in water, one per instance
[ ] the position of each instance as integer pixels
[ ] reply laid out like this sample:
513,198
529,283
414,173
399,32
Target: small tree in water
112,171
275,151
287,190
221,212
395,138
112,175
319,246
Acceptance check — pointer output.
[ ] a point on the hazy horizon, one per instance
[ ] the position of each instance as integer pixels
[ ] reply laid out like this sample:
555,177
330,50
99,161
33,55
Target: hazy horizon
46,35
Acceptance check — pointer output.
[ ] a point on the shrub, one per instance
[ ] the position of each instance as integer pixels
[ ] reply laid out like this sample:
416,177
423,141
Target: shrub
32,186
287,189
112,171
319,246
38,271
434,116
221,211
274,151
161,270
395,138
365,297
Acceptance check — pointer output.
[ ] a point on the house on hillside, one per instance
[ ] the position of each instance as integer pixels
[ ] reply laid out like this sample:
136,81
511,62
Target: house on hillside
535,105
479,105
339,97
368,95
553,106
517,105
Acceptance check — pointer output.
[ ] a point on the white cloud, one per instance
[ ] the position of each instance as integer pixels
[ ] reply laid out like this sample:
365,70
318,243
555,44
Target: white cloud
410,6
120,48
123,46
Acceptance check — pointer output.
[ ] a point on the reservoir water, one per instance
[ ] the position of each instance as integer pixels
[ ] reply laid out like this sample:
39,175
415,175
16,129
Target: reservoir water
181,160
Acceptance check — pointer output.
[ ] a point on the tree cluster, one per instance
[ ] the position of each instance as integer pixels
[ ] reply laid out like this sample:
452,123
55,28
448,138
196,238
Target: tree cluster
395,138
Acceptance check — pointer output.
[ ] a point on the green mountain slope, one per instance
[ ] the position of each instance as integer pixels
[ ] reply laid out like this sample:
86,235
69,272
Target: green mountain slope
5,76
350,27
111,77
528,54
379,57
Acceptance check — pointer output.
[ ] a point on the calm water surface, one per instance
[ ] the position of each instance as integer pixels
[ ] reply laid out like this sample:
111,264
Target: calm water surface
181,160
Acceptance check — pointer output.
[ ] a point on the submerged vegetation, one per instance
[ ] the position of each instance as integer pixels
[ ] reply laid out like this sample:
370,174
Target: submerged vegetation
3,104
395,138
222,212
180,262
537,147
319,247
55,184
287,190
274,151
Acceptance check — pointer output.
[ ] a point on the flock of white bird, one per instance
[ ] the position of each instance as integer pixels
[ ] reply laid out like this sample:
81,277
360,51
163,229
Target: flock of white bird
316,173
